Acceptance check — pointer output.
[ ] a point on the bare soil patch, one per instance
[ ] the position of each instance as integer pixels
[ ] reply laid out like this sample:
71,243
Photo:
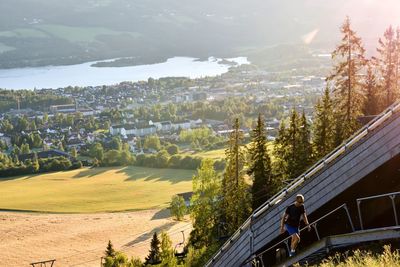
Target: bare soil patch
80,239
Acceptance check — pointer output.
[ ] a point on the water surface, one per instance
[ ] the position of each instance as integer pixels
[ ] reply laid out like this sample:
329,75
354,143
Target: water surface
86,75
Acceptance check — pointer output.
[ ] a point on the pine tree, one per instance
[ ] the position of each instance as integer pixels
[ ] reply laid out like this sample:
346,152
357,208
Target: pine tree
304,151
236,203
293,150
323,126
387,64
167,256
154,252
280,151
292,156
204,207
260,166
372,101
110,252
348,96
397,61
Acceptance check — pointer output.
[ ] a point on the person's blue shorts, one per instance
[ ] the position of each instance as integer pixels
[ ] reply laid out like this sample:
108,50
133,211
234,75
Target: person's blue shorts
291,229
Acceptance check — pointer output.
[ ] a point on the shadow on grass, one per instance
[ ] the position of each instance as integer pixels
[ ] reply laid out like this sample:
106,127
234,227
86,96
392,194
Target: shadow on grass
149,234
161,214
173,176
90,172
27,176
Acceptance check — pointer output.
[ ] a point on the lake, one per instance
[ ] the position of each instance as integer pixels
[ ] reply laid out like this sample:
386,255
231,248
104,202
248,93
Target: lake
86,75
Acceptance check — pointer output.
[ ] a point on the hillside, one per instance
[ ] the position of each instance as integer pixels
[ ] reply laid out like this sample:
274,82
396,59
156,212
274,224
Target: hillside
40,32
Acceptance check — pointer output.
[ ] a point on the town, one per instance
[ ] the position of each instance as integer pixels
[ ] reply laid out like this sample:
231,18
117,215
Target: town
78,118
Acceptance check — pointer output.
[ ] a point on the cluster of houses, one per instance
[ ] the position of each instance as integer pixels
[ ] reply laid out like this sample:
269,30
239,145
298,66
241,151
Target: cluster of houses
133,129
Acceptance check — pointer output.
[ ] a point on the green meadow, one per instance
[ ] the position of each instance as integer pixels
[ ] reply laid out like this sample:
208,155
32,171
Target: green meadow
94,190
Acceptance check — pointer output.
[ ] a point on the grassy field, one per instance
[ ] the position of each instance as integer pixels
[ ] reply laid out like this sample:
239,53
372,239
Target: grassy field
220,153
212,154
94,190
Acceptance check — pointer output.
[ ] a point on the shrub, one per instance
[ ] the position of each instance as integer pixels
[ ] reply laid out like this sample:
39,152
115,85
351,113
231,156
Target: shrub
173,149
178,207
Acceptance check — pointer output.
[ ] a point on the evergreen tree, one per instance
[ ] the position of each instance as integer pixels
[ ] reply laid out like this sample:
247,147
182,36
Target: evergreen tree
110,252
304,152
280,148
397,61
291,156
167,256
323,126
372,102
154,252
260,166
387,64
236,203
348,97
204,206
293,148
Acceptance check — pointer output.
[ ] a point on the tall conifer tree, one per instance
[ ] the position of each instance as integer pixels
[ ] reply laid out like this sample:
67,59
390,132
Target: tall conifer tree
260,166
304,151
372,102
348,95
292,156
323,126
387,65
280,151
154,252
110,251
236,198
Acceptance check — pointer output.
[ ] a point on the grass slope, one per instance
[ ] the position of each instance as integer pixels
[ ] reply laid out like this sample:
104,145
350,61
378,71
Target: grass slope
211,154
95,190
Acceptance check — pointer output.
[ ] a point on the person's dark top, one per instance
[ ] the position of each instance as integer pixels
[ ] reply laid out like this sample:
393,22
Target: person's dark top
294,215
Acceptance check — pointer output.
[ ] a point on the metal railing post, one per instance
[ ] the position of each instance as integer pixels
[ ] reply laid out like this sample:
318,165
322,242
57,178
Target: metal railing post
392,197
349,217
359,214
316,231
262,261
287,245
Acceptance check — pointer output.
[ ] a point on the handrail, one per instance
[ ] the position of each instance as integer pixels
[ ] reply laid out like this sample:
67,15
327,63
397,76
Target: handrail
313,224
358,135
390,195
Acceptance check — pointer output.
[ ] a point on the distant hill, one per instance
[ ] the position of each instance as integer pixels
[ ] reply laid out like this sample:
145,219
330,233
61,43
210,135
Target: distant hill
42,32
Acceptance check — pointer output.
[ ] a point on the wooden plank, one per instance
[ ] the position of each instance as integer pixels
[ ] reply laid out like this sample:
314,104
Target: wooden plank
240,248
237,246
241,255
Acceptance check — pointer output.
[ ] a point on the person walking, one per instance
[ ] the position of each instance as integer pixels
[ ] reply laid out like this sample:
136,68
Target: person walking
291,221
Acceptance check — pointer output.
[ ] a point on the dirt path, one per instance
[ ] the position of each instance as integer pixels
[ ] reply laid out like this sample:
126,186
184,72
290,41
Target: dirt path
80,239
